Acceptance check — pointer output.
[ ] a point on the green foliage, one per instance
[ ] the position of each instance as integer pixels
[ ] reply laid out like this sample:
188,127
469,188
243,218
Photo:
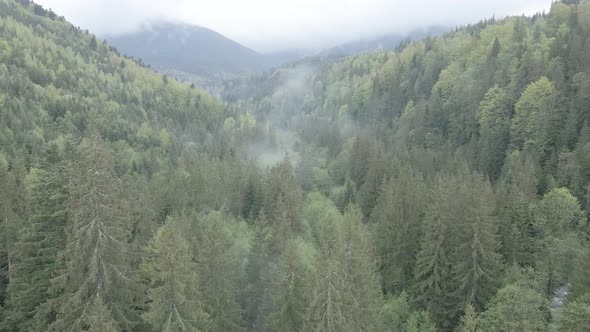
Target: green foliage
397,219
221,251
516,308
494,122
469,321
175,303
576,315
290,300
534,113
95,270
130,201
559,212
398,315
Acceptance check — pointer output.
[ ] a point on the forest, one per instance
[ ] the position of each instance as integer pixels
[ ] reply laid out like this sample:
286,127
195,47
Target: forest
440,186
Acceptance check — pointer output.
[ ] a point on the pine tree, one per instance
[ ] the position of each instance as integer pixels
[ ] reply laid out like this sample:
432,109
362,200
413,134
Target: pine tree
175,303
95,269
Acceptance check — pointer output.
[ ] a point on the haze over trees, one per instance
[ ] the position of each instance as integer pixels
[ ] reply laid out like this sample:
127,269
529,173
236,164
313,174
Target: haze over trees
443,186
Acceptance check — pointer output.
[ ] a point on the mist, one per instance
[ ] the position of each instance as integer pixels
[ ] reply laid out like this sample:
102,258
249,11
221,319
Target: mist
270,26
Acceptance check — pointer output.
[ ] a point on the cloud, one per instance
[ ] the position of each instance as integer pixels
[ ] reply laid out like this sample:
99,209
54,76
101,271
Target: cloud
279,24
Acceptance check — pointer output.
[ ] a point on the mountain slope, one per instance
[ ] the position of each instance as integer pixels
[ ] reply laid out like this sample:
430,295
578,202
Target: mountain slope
192,49
385,43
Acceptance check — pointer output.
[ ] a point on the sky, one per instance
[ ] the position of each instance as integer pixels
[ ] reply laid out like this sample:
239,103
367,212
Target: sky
274,25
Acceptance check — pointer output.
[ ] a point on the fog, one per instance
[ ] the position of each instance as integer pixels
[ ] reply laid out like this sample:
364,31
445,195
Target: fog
271,25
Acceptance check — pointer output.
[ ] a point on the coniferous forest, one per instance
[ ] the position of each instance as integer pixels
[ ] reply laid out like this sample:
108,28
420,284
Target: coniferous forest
442,186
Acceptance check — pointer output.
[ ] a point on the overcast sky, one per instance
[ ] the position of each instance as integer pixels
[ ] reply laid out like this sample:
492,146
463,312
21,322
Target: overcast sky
271,25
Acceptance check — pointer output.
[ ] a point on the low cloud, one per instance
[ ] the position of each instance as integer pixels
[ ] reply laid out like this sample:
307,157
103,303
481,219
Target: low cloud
270,25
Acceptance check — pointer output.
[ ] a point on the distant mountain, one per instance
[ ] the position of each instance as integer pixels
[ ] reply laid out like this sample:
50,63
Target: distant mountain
187,48
386,42
206,58
196,54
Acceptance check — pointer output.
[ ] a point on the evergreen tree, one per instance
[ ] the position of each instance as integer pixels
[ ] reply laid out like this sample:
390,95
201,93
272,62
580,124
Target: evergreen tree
95,269
494,122
581,275
175,303
259,275
290,299
397,221
520,236
362,274
433,263
469,321
331,295
220,272
478,261
39,244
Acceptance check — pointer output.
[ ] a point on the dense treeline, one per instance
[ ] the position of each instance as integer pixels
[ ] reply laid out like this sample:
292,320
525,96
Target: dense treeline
442,186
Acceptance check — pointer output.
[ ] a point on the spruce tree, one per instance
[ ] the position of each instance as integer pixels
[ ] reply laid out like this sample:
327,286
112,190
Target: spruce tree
291,292
259,275
175,303
219,272
478,261
95,259
433,262
469,321
396,222
363,279
331,294
40,242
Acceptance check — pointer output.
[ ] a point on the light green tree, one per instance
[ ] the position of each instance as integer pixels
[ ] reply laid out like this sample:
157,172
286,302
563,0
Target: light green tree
175,303
533,117
516,308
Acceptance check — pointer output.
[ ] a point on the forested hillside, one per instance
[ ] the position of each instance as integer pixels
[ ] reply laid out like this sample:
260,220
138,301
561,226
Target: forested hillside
443,186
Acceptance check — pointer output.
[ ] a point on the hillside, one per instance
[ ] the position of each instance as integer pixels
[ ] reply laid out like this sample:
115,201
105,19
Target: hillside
195,54
440,186
381,43
192,49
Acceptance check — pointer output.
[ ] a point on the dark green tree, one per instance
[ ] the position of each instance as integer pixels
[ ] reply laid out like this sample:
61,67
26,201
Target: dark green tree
95,271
